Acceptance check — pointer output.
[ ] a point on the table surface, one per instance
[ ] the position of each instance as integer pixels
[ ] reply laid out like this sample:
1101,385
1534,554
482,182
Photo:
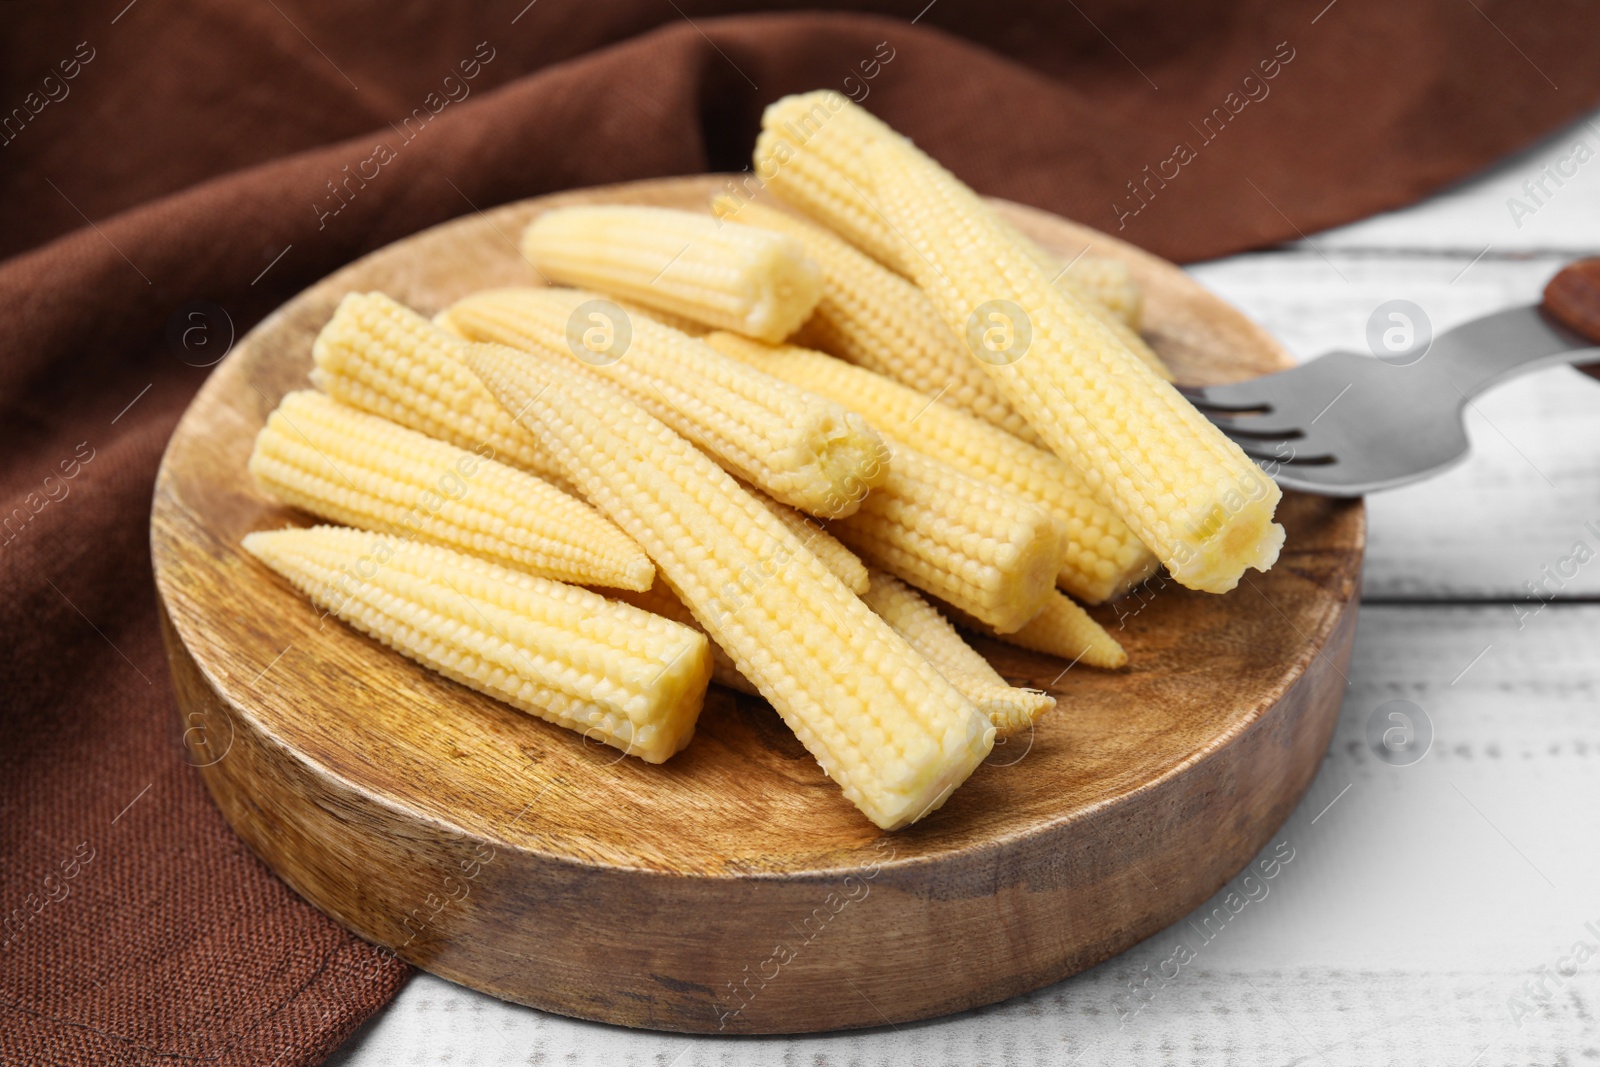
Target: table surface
1443,912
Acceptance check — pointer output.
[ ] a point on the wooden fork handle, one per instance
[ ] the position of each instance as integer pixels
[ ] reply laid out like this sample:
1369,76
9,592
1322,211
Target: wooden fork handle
1573,299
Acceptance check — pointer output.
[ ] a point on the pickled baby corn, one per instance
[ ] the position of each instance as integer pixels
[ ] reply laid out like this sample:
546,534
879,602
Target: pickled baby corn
884,724
829,549
1111,283
877,319
1009,709
338,463
1101,557
804,451
829,552
1189,493
811,153
567,655
1062,629
813,145
728,276
660,600
974,544
384,358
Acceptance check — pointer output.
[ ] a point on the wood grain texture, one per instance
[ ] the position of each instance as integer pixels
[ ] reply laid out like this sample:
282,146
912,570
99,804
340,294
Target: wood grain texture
733,889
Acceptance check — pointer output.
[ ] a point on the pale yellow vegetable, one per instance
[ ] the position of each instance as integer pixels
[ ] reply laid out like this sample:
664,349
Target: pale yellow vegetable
803,450
660,600
894,734
829,549
1010,709
963,540
877,319
684,263
1188,491
811,155
1101,557
384,358
338,463
569,656
814,146
833,555
1110,283
1062,629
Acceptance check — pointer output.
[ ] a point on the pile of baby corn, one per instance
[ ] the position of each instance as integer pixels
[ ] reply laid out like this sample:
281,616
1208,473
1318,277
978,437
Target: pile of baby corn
777,448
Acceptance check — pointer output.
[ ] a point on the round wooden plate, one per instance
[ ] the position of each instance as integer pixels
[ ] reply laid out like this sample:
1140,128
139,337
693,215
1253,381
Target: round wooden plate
733,889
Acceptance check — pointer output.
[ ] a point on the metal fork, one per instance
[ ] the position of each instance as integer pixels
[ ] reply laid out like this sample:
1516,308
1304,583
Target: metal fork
1345,423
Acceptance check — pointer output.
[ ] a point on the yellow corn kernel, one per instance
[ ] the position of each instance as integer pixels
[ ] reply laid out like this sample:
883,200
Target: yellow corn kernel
1062,629
1009,709
660,600
338,463
1189,493
728,276
877,319
384,358
1101,557
569,656
894,734
805,451
963,540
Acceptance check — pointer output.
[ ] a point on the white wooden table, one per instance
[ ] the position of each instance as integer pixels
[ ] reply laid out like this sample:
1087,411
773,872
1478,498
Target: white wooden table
1431,909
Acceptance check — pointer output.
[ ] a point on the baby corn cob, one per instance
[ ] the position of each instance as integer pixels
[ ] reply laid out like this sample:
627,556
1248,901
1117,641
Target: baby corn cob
963,540
1110,283
660,600
1101,557
811,155
829,552
1189,493
884,724
338,463
386,359
805,451
610,671
876,319
814,147
1082,288
829,549
1009,709
1063,630
688,264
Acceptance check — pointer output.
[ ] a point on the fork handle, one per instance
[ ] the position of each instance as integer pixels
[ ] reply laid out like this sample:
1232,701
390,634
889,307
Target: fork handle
1573,299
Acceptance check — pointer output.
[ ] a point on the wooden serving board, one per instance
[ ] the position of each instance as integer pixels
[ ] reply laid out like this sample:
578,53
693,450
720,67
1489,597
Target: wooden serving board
733,889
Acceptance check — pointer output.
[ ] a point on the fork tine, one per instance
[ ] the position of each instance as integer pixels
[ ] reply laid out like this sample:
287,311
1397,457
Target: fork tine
1251,427
1240,397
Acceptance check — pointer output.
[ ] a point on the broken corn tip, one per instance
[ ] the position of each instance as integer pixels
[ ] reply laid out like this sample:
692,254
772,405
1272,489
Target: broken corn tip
1251,538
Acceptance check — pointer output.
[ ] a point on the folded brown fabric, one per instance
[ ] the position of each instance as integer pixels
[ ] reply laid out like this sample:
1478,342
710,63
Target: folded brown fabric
160,158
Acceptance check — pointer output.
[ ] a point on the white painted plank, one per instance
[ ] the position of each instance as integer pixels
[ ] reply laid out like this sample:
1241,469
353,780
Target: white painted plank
1484,209
1522,498
1414,906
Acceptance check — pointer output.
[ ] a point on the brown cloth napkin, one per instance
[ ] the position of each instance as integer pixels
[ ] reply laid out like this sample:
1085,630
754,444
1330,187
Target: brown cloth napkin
161,158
